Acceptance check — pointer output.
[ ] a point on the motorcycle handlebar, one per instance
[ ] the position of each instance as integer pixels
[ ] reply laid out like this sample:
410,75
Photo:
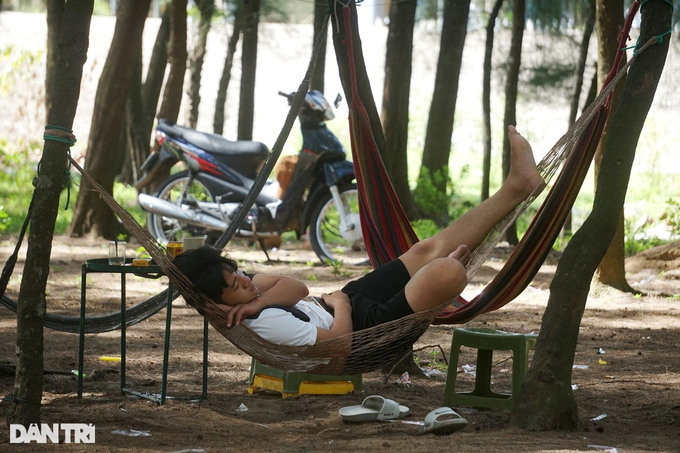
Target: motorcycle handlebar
286,95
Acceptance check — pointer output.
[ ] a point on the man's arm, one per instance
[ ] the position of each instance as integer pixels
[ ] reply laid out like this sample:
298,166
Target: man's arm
274,290
342,324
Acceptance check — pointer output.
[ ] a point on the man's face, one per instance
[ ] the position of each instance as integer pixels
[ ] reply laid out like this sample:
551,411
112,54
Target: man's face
239,289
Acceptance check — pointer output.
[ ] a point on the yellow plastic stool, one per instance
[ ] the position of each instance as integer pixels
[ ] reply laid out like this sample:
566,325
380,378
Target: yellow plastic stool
486,341
291,384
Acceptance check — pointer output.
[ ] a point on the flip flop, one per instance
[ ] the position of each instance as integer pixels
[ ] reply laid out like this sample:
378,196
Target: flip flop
373,408
442,421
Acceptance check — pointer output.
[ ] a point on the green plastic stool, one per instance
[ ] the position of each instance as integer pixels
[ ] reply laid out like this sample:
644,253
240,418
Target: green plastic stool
486,341
291,384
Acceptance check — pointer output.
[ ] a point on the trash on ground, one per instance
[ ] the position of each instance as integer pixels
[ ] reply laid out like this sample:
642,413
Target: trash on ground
602,362
131,433
574,387
598,418
605,448
600,351
404,379
242,408
580,367
469,369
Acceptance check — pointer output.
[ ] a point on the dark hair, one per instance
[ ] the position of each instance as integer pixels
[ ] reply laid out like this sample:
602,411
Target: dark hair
204,266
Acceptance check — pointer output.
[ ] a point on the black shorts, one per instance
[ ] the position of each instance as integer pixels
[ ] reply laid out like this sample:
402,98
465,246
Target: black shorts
378,296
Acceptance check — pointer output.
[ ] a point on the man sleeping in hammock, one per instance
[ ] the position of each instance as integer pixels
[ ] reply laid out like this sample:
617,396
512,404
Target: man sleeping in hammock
427,275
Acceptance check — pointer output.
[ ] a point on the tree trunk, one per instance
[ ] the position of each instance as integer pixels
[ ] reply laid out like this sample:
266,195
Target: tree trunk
486,98
443,107
177,57
363,82
511,83
68,71
611,270
55,15
318,76
578,83
545,400
221,99
246,106
91,215
134,140
582,59
155,75
207,9
592,94
395,107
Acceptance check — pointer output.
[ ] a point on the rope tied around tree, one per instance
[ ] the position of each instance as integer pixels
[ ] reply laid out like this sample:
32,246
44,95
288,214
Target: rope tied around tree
62,135
668,2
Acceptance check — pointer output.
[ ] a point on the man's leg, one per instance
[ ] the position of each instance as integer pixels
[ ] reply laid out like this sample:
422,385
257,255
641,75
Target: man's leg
471,229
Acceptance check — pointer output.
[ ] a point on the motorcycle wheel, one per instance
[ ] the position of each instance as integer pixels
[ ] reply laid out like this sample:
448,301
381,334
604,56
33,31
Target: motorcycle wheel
166,229
330,241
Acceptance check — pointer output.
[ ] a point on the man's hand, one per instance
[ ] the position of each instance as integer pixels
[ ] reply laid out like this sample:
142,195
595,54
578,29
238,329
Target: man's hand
335,299
243,311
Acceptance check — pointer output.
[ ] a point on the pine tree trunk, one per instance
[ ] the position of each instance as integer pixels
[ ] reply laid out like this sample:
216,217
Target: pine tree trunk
396,90
592,94
206,8
155,74
55,15
134,140
511,84
363,82
486,98
246,106
91,215
104,159
221,99
318,76
177,57
68,71
611,270
578,84
545,400
437,147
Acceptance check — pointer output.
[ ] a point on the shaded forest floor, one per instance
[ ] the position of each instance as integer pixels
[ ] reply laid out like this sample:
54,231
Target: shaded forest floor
636,389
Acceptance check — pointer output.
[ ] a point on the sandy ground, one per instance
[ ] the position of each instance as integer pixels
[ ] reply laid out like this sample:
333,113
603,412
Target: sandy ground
636,390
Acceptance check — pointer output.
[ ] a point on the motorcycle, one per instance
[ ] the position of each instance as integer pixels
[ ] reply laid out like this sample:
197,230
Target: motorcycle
217,174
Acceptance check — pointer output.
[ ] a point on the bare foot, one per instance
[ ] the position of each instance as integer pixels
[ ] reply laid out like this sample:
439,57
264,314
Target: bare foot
524,175
462,254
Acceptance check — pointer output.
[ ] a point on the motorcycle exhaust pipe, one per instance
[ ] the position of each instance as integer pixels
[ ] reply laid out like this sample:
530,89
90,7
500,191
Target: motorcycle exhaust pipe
161,207
167,209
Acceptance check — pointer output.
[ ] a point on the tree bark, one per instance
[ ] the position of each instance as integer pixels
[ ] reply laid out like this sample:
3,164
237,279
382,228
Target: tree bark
68,71
511,84
486,98
55,16
437,147
590,97
221,99
91,215
611,270
582,59
395,107
246,107
134,140
207,9
319,74
155,74
578,83
177,57
545,400
363,82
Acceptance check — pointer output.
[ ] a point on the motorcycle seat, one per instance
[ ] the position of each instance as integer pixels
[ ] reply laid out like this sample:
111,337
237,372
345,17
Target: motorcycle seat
214,143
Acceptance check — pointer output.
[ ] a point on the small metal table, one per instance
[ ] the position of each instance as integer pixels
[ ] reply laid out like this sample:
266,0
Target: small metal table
101,265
